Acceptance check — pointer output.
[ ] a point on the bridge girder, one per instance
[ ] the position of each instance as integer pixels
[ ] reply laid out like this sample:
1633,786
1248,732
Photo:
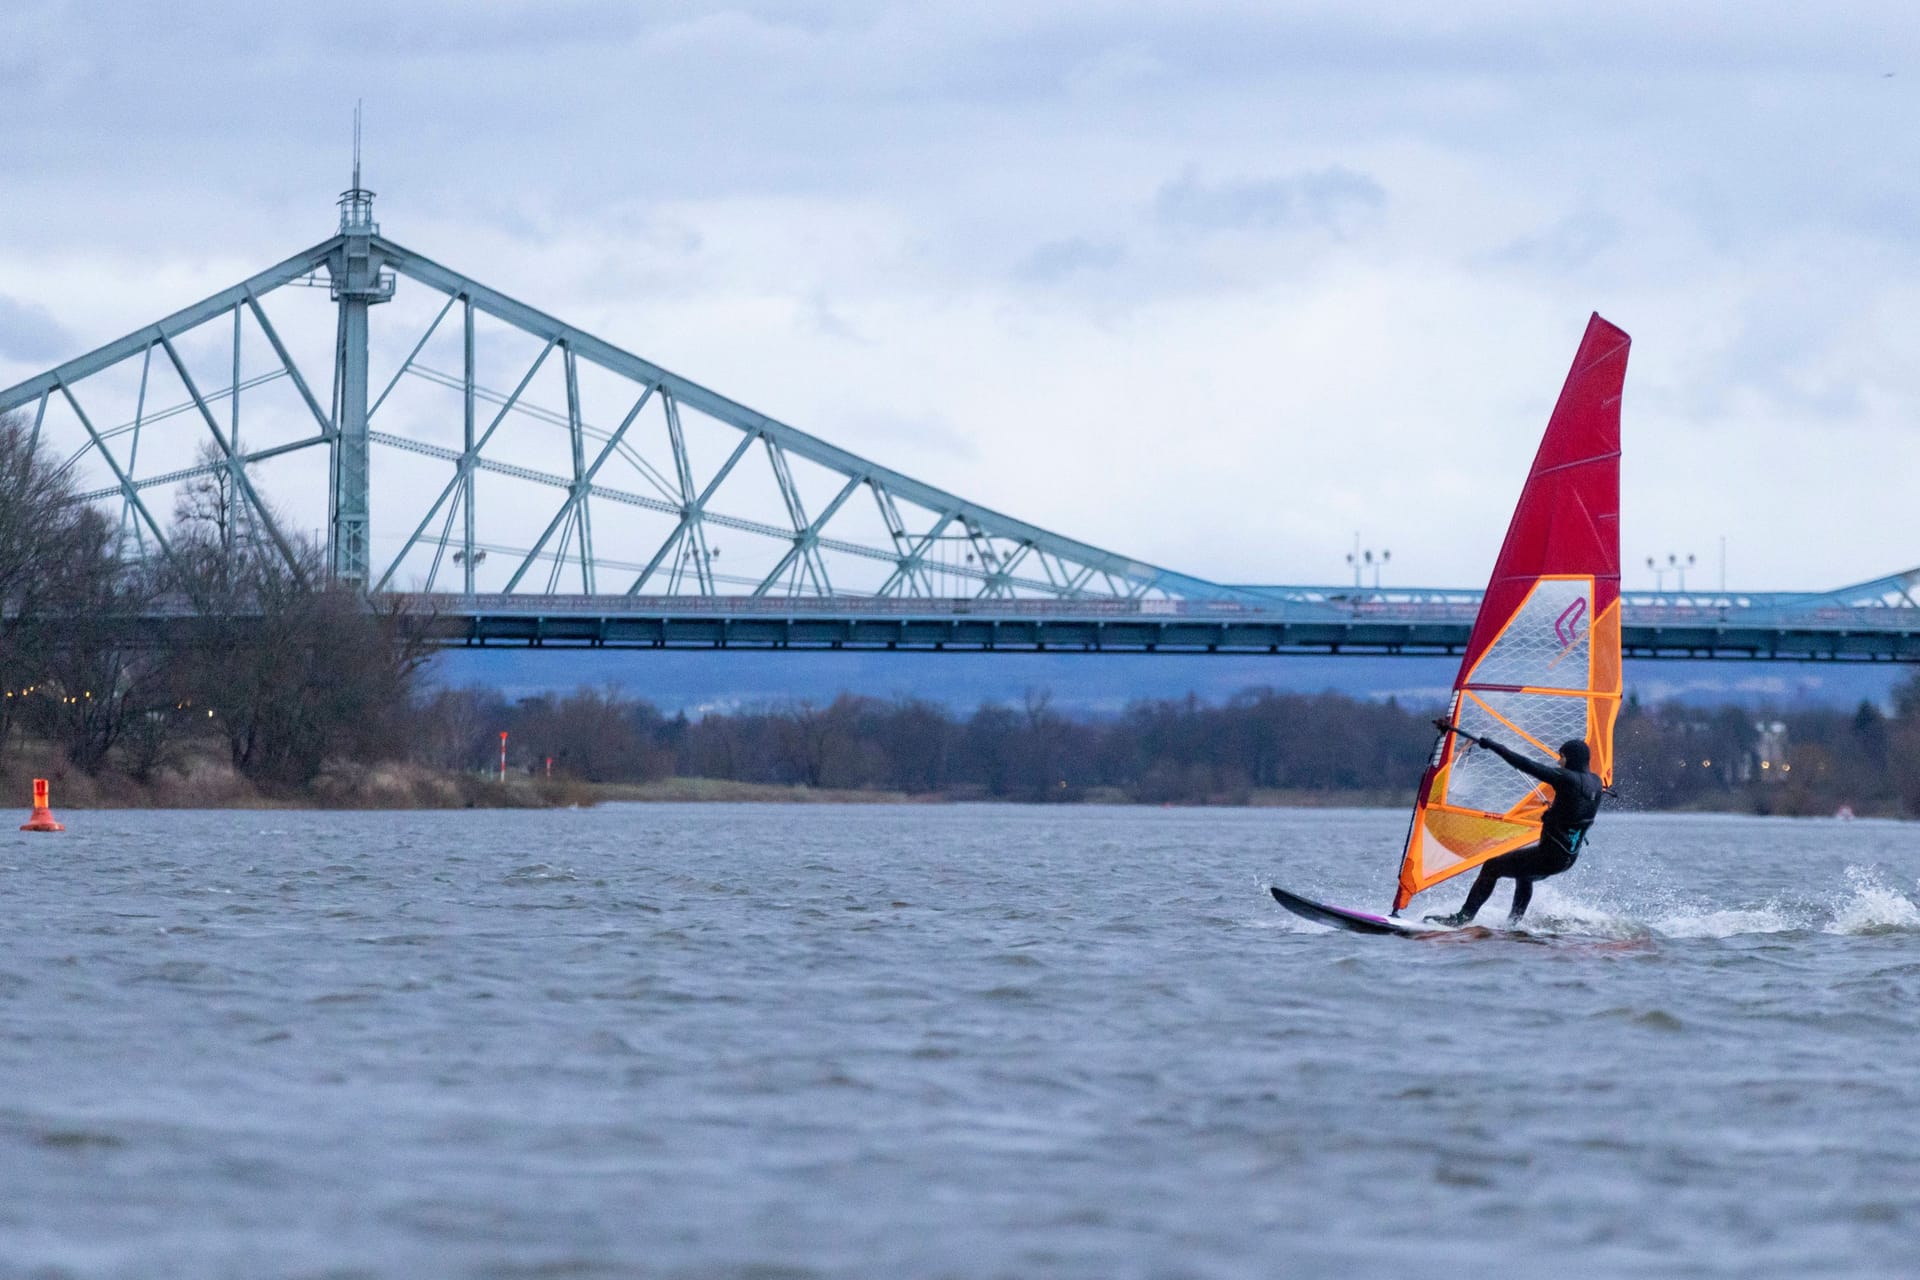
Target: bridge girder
848,526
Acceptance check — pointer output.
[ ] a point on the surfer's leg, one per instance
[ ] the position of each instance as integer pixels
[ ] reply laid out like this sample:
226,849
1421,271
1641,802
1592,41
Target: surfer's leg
1535,862
1522,896
1481,891
1520,862
1490,871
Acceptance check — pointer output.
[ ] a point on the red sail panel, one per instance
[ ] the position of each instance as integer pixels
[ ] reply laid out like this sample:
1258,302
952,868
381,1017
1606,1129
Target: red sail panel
1568,517
1569,513
1542,665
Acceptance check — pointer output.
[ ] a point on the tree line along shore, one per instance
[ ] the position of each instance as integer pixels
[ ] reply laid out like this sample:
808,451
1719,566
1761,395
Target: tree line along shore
274,686
441,748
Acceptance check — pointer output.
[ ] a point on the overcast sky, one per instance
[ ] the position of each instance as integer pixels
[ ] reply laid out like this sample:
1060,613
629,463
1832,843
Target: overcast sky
1213,284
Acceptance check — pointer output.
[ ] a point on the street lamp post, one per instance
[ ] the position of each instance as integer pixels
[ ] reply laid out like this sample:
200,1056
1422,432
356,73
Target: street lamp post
1362,560
1674,565
467,563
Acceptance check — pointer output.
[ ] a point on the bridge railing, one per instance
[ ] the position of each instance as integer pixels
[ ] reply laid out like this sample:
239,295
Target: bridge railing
1750,614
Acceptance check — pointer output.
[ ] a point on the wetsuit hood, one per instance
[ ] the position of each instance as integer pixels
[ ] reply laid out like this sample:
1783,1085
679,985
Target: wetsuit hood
1576,754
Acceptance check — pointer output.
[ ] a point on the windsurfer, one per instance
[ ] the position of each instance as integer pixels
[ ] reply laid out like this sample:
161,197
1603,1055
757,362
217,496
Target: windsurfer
1563,827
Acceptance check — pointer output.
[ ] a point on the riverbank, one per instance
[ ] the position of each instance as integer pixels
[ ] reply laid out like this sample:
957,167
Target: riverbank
206,783
721,791
213,784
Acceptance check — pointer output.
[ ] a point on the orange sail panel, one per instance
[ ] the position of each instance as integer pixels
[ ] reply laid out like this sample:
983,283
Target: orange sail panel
1542,665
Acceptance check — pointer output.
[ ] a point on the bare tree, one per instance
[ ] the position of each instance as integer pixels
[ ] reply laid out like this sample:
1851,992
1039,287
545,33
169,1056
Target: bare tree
100,676
54,565
805,734
295,670
209,505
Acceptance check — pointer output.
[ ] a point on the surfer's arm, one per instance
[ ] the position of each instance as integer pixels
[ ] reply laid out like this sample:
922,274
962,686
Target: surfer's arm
1548,774
1552,775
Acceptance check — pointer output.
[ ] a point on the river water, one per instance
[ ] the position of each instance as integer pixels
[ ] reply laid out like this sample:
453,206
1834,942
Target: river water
787,1042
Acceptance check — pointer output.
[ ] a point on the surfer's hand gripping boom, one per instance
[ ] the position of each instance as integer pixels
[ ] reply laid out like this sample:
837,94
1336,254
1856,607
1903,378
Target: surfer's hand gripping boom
1445,725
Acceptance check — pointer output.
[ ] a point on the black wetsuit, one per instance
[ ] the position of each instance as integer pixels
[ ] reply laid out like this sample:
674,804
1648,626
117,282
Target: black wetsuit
1576,800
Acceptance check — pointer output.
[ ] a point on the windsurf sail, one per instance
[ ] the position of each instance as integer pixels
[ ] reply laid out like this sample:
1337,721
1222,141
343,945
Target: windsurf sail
1542,664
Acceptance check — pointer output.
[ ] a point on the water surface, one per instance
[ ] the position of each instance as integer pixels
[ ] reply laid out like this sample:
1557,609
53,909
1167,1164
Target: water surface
768,1041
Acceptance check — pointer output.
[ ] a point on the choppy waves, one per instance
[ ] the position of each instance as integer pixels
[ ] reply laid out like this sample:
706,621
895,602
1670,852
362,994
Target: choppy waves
957,1041
1864,901
1867,901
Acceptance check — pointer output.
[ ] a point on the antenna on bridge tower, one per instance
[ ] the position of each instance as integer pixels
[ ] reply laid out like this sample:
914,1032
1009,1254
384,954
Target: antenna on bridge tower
356,202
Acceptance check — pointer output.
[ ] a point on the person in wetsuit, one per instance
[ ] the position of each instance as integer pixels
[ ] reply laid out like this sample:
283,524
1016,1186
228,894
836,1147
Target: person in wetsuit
1563,828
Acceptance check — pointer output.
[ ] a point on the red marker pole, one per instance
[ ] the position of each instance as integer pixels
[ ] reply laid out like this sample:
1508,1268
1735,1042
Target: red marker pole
503,755
42,819
549,766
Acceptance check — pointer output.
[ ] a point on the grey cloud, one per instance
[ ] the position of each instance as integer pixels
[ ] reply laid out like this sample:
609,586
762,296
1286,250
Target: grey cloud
1786,356
1058,259
902,436
818,316
1002,51
30,334
1571,243
1331,199
466,100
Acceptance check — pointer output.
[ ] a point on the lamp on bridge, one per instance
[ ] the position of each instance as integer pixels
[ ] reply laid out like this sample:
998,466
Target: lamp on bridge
1362,560
1674,565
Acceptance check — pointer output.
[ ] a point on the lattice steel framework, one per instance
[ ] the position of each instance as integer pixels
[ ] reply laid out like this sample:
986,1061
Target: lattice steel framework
508,452
1893,600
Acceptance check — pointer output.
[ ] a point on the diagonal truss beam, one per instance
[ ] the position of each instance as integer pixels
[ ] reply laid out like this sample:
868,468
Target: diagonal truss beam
690,514
179,322
234,466
577,492
911,570
465,462
1003,552
806,542
293,370
1142,576
695,530
126,482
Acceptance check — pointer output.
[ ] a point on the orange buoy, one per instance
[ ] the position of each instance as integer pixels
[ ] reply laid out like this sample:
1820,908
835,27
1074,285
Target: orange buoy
42,819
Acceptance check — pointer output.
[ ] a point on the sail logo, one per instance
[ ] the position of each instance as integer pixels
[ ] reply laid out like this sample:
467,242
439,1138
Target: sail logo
1566,627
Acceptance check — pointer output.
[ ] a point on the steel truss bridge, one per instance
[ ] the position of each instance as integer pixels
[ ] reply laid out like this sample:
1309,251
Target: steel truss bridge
539,486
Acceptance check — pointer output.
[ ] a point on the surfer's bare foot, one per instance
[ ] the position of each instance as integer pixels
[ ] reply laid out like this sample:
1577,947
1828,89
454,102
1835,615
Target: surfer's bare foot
1453,921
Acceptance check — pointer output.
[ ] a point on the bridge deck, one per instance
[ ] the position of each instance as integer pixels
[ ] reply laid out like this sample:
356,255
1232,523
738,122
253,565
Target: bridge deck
1425,627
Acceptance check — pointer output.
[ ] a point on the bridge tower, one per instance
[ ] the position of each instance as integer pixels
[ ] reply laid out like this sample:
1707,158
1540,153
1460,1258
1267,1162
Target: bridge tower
359,281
